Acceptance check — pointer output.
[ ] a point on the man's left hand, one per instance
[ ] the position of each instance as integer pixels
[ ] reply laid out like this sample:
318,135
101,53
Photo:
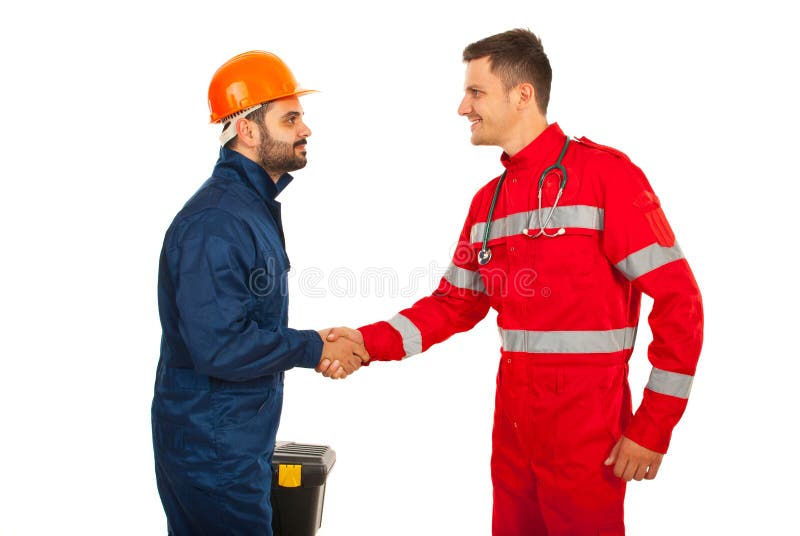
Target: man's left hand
632,461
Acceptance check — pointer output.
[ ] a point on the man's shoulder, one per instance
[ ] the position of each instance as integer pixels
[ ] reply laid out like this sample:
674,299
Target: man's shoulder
218,205
220,197
593,149
610,166
222,193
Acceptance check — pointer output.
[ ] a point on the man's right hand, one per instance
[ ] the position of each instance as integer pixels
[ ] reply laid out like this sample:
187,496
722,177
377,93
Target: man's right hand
340,356
350,333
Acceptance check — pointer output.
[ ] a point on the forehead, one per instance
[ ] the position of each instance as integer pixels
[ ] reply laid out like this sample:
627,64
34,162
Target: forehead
284,106
479,74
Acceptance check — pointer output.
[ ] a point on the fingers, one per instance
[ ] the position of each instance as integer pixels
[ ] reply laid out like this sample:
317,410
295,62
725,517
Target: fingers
653,470
331,369
347,348
350,333
334,371
622,469
356,347
333,334
612,458
360,352
640,472
633,461
341,355
351,363
635,471
338,368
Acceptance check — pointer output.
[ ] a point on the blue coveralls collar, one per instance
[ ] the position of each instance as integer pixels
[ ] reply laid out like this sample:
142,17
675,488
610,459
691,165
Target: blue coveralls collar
232,164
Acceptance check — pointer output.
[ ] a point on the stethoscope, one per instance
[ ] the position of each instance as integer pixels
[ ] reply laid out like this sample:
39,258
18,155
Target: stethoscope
485,254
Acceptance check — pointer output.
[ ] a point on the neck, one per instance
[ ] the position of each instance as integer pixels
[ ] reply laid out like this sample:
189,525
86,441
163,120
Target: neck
251,154
524,134
274,174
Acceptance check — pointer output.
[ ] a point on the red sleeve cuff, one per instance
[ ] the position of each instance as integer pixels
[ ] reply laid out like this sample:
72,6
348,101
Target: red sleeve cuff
655,419
382,341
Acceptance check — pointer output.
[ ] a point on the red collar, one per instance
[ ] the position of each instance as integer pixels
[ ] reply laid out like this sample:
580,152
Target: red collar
544,148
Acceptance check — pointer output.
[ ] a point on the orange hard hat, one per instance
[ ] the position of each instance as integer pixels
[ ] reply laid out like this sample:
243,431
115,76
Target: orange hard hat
249,79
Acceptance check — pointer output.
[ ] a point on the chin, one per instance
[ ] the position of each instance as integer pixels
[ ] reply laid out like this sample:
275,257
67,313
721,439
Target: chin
477,140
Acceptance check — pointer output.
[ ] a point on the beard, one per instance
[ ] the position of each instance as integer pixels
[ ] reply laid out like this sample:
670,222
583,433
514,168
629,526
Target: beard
280,156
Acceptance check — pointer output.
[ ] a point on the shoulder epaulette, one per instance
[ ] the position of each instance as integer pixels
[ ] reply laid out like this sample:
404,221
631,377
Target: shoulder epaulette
589,143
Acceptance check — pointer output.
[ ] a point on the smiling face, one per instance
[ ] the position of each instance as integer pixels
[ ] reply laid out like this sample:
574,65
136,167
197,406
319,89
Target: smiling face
487,104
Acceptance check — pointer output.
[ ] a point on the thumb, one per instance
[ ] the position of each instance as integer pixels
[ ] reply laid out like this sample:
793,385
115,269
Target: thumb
612,458
333,334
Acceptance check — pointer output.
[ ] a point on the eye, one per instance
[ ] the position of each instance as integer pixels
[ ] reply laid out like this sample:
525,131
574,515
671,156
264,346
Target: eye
475,92
291,120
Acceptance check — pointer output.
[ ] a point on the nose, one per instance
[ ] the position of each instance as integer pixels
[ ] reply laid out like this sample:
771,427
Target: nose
304,131
465,107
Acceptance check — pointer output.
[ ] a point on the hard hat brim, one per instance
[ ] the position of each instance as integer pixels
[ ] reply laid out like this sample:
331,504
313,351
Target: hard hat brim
296,93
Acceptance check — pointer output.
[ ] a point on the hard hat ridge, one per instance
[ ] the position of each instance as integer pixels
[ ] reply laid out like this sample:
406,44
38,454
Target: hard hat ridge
249,79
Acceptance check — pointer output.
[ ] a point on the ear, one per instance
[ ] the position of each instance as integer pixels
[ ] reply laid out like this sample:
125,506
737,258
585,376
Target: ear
246,132
526,95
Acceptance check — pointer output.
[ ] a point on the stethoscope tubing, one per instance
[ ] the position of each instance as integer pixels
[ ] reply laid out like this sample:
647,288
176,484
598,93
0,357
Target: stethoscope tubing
485,254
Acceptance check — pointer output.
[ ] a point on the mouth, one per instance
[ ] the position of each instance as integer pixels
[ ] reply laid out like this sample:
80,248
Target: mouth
301,144
474,124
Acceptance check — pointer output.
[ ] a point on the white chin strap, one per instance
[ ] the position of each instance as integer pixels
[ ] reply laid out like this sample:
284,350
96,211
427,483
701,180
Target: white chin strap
229,124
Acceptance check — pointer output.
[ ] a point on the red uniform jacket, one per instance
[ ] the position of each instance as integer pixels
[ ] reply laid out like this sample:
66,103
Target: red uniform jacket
573,298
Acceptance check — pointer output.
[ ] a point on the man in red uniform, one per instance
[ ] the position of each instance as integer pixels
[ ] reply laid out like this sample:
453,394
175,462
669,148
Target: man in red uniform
563,257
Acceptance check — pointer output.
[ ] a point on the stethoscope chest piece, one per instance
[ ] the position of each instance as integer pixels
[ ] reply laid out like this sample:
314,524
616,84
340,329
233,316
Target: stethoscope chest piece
484,256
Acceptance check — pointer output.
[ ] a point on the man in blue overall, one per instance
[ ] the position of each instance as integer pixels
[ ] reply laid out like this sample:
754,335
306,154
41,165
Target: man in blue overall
222,297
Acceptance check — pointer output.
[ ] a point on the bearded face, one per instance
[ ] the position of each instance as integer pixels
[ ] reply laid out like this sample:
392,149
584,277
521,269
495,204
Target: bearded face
279,155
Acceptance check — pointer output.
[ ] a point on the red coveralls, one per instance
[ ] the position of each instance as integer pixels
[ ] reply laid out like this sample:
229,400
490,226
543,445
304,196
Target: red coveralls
568,308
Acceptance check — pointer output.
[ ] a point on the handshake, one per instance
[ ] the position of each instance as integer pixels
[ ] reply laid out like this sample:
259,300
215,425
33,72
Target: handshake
343,352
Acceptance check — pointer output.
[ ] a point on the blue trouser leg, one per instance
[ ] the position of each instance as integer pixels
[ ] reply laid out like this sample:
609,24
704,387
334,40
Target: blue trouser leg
241,509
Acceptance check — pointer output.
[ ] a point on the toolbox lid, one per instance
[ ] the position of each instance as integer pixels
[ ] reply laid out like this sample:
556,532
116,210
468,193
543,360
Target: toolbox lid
314,461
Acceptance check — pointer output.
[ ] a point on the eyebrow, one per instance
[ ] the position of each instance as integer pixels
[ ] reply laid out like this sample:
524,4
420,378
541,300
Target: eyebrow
290,115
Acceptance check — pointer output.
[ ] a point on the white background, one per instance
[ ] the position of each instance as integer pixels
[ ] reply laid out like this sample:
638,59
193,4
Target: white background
105,136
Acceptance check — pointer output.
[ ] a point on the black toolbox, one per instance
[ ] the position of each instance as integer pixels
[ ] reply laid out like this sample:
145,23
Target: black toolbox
299,472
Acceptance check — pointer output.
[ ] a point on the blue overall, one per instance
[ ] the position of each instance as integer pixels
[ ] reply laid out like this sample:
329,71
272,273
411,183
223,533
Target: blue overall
223,302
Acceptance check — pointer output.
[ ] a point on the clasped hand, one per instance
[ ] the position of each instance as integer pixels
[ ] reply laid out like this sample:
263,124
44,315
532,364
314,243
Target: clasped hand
343,352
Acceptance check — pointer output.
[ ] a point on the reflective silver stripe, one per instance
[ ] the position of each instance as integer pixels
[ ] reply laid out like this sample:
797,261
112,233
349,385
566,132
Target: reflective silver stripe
412,338
568,342
670,383
648,259
582,216
463,278
510,225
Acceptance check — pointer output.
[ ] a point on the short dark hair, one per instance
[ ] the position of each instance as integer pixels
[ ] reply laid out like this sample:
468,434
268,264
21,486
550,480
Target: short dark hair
516,56
255,115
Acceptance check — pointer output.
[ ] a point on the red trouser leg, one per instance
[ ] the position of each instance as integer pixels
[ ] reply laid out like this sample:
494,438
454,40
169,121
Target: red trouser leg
516,506
554,426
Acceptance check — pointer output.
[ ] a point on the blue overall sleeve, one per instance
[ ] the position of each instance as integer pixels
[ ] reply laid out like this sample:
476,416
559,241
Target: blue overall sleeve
218,321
